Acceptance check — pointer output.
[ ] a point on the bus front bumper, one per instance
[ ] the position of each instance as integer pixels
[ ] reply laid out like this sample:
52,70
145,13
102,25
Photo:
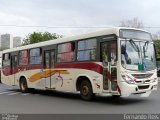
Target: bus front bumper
143,89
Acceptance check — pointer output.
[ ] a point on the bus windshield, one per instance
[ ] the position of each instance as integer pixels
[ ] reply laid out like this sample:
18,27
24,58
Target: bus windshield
137,53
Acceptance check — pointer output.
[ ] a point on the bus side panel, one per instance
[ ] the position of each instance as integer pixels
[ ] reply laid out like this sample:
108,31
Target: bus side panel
61,79
6,76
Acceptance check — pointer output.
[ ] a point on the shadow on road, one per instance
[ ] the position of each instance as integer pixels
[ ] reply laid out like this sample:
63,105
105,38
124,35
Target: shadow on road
121,100
99,99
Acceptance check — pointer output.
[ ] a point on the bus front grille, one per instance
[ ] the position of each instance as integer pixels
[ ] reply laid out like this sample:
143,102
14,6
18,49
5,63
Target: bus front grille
143,81
142,76
143,87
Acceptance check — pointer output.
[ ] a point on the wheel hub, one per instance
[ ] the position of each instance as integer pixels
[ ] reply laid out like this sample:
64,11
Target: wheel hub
23,86
85,90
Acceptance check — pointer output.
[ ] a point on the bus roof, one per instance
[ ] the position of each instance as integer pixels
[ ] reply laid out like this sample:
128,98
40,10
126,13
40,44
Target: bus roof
112,30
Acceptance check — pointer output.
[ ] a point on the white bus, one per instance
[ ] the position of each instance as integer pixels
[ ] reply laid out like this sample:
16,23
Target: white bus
116,61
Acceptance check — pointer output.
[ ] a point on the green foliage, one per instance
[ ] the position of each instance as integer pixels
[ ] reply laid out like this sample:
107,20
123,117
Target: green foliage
36,37
1,49
157,45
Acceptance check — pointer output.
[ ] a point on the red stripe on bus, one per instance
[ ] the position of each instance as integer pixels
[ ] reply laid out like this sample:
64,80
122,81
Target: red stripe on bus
119,90
88,66
9,71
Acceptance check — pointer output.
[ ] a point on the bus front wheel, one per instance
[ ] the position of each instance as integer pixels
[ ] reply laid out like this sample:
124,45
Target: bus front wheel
86,90
23,85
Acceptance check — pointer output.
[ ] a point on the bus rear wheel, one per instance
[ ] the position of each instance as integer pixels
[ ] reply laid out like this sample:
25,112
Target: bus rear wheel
86,90
23,85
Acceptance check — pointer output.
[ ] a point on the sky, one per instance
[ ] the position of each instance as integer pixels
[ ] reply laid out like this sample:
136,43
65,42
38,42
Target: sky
72,17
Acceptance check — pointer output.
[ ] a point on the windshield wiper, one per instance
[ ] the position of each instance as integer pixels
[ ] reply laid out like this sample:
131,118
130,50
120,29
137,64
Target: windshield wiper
145,48
136,48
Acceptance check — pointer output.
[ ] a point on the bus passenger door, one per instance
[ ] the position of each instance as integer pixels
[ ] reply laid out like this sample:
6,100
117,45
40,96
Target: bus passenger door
49,66
108,50
14,62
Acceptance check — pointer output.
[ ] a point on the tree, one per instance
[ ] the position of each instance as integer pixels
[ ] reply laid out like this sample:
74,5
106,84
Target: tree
135,22
156,36
36,37
157,45
156,39
3,48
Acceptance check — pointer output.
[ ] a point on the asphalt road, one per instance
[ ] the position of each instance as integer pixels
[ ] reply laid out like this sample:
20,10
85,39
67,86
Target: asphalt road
46,102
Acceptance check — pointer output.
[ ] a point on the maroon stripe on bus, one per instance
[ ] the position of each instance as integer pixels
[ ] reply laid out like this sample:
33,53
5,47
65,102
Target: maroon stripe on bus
119,90
9,71
88,66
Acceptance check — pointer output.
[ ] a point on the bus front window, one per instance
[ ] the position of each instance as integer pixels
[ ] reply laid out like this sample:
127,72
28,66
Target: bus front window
148,56
130,57
136,53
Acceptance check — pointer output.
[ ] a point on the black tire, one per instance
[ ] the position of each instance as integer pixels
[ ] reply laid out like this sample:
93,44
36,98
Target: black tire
23,85
86,90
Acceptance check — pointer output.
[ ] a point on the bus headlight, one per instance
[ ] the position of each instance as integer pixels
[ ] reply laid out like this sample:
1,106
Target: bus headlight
154,80
128,79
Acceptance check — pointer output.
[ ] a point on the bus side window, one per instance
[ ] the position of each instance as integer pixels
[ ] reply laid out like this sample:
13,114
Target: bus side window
6,60
66,52
35,56
87,50
23,57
